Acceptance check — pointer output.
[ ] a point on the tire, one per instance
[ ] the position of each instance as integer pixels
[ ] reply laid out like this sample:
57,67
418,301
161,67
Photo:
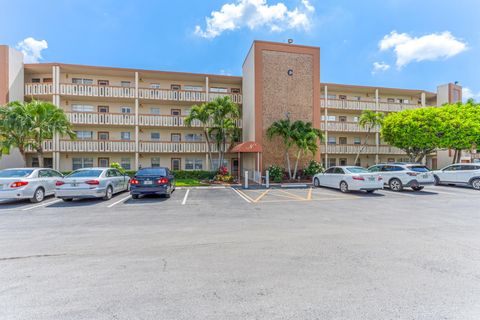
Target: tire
395,185
417,188
437,180
38,195
343,187
135,196
108,193
316,183
67,199
476,184
370,191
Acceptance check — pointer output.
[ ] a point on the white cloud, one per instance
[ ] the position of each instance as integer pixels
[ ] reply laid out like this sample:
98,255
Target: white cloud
380,67
32,49
255,14
468,93
428,47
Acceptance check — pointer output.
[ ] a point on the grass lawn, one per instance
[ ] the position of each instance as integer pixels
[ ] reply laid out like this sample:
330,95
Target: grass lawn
190,183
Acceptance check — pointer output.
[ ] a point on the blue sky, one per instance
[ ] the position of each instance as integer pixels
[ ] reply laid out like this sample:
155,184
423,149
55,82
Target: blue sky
426,42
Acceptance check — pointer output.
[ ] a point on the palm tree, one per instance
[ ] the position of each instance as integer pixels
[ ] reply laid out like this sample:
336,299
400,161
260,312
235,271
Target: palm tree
306,139
283,129
369,119
202,114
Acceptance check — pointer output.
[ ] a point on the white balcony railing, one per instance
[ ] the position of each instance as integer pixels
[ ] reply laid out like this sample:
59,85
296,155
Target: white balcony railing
35,89
174,147
236,97
89,90
101,118
344,126
354,148
96,146
171,95
366,105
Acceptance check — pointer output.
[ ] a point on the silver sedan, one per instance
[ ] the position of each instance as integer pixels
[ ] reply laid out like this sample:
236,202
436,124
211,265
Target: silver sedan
28,183
91,183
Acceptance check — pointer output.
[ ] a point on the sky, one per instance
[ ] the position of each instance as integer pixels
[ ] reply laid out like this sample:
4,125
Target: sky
416,44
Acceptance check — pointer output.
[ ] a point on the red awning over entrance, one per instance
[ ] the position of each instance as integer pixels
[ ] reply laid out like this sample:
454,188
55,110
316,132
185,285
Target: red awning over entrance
247,147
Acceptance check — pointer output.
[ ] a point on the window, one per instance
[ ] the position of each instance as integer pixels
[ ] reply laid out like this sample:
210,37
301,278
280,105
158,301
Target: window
124,135
103,162
47,80
342,118
235,90
332,140
329,118
343,161
113,173
82,108
357,140
84,135
103,109
103,135
357,98
82,81
44,174
155,110
338,171
35,80
126,163
175,112
391,160
332,162
193,164
193,137
342,97
391,100
125,84
175,137
218,90
330,170
175,87
392,168
375,169
126,110
54,173
154,86
78,163
155,162
155,136
176,164
192,88
103,82
355,119
215,163
342,140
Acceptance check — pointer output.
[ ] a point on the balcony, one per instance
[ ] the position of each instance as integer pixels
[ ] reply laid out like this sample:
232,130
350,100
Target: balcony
174,147
343,104
121,119
354,148
96,91
344,126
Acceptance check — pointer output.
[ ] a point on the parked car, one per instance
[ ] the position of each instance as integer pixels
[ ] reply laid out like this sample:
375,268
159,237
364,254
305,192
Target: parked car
91,183
28,183
467,174
152,181
349,178
400,175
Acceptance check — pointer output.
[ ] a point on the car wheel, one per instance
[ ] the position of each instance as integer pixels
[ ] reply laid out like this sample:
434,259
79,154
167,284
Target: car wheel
436,180
395,185
343,187
67,199
108,193
316,182
135,196
38,195
417,188
476,184
370,191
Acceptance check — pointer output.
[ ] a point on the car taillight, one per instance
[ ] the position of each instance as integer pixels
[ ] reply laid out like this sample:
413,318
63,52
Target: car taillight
93,182
18,184
162,181
134,181
59,183
412,174
358,178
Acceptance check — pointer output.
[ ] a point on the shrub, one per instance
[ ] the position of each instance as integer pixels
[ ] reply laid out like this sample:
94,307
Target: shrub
313,168
276,173
195,174
117,166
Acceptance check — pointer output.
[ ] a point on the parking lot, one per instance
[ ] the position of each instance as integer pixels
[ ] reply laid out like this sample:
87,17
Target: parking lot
223,253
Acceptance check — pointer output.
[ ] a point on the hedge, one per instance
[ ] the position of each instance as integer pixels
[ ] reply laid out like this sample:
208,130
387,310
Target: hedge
179,174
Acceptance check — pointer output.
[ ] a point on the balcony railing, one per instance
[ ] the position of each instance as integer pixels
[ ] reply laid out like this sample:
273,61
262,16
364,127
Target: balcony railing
236,97
344,126
96,146
34,89
354,148
367,105
101,118
171,95
174,147
90,90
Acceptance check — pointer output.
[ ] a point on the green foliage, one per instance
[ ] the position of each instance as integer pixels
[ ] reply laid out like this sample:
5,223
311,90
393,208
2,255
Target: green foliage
369,120
313,168
276,173
195,174
189,183
117,166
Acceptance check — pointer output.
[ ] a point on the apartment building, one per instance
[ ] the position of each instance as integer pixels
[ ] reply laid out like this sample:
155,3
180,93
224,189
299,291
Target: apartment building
136,117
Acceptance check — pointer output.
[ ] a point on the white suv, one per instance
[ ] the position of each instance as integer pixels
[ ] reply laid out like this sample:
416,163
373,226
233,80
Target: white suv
397,176
459,174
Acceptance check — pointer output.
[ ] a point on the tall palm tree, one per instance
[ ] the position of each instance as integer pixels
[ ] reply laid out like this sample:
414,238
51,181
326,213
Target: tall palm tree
369,119
15,130
283,129
306,138
202,113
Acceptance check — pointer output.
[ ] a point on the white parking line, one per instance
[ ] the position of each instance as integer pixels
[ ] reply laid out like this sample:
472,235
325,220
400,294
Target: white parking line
185,197
42,204
241,195
397,193
119,201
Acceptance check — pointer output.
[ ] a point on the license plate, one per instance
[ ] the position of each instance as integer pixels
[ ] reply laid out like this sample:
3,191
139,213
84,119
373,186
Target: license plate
147,182
371,178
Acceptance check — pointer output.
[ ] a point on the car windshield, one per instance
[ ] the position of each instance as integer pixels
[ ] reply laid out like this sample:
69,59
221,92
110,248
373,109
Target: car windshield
85,174
418,168
152,172
357,170
15,173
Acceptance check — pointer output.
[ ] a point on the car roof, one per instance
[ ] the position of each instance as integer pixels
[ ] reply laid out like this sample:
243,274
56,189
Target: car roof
25,168
153,168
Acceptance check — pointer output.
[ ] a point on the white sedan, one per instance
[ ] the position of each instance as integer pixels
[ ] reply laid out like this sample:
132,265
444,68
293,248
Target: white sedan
349,178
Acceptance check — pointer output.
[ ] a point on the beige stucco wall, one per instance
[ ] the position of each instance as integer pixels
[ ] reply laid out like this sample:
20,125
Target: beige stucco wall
248,89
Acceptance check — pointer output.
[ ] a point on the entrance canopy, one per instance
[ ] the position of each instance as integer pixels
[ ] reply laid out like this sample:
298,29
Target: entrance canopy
247,147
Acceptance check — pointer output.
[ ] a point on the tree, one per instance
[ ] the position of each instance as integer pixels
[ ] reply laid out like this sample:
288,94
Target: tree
417,131
369,120
202,113
283,129
306,140
28,125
